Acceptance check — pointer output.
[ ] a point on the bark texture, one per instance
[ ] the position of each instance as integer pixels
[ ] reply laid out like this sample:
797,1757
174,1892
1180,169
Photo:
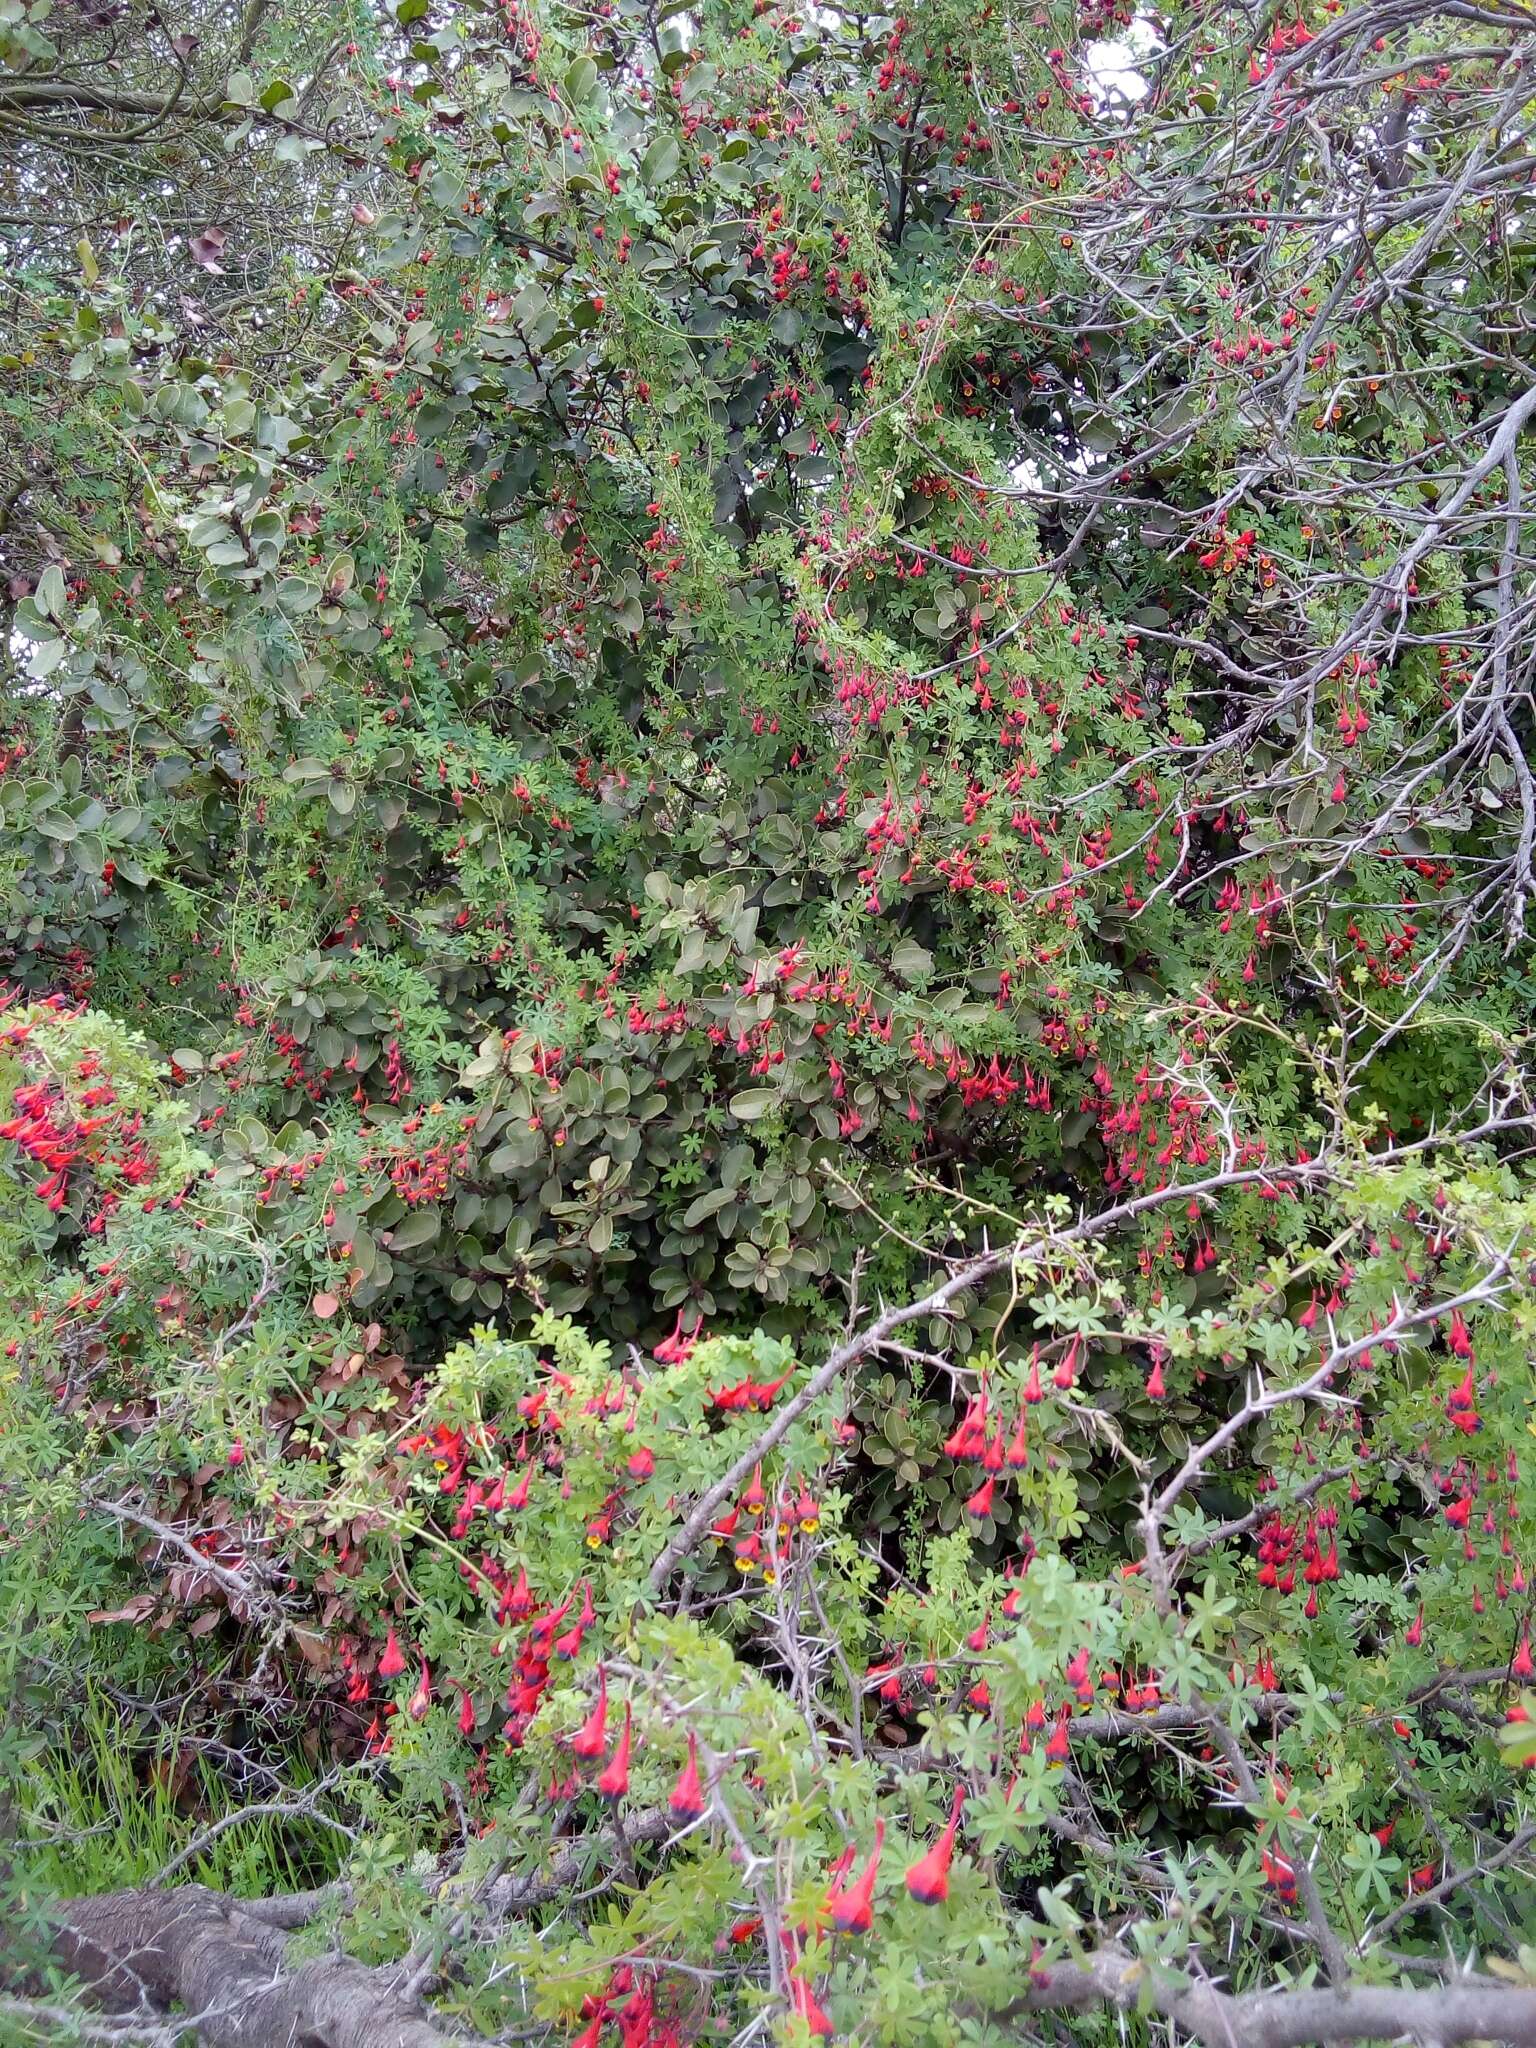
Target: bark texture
1437,2016
224,1966
227,1971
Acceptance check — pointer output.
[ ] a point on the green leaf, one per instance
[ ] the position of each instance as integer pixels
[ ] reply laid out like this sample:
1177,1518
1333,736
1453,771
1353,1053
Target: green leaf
581,81
660,162
911,961
752,1103
422,1226
51,596
46,658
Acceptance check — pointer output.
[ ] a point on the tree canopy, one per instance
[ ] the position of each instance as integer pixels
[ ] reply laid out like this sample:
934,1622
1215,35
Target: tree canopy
767,960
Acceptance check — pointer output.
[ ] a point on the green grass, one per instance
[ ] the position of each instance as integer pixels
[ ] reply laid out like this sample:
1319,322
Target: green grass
105,1815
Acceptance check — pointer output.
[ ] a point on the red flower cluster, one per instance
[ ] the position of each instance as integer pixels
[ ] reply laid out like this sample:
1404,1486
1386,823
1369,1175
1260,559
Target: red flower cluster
73,1127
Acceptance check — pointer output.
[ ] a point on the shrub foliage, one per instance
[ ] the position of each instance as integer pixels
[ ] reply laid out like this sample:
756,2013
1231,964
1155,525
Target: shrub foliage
764,1066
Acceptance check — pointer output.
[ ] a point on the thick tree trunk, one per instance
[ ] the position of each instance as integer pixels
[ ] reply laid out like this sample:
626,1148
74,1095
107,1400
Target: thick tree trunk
227,1972
222,1969
1438,2016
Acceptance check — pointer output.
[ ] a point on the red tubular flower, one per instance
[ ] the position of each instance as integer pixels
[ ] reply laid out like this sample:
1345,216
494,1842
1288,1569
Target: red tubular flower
1520,1665
547,1626
806,2007
1519,1717
677,1348
421,1699
1058,1750
392,1663
1464,1393
591,1738
1280,1872
852,1908
967,1439
980,1502
687,1801
928,1878
614,1781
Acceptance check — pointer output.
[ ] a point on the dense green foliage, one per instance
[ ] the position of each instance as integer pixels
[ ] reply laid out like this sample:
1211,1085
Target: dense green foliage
747,655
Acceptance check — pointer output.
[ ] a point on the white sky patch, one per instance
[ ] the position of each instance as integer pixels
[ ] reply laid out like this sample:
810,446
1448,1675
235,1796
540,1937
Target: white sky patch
1112,68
